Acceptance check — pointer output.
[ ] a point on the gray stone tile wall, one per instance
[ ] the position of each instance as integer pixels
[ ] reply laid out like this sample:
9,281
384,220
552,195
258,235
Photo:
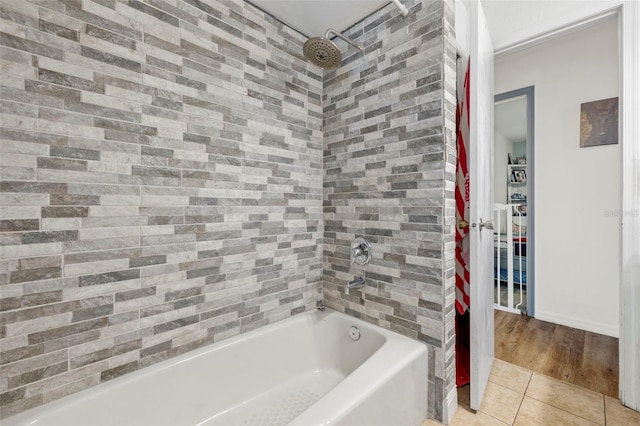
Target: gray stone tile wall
161,167
162,183
389,173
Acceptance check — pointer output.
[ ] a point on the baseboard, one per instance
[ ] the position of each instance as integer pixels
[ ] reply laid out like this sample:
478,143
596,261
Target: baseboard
573,322
450,407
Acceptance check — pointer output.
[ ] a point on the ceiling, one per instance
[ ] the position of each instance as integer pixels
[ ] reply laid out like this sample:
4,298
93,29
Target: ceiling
509,21
513,21
313,17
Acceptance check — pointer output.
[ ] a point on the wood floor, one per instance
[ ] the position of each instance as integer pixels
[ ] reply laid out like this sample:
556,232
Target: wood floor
579,357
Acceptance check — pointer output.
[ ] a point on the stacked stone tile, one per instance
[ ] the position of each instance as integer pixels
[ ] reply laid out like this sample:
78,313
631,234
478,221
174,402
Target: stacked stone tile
161,185
175,173
389,165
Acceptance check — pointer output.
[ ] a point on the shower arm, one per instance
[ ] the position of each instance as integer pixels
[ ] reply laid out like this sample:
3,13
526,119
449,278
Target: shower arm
332,31
403,9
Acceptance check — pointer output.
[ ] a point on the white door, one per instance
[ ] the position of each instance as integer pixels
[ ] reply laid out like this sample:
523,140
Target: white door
481,201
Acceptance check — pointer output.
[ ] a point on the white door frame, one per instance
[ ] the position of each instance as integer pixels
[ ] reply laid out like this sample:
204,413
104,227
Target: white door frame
630,209
629,61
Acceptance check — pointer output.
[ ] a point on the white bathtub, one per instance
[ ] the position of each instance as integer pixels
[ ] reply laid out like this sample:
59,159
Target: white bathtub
304,371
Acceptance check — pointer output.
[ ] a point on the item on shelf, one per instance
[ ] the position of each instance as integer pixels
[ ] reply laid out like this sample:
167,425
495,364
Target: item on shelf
518,196
519,230
519,176
520,210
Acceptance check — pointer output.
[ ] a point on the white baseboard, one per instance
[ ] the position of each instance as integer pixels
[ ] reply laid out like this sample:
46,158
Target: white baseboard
450,407
594,327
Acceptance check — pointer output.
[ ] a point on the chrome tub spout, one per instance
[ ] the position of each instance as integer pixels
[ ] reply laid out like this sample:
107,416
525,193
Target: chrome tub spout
355,284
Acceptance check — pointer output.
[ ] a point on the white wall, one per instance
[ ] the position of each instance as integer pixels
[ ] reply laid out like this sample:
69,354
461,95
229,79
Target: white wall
577,189
462,27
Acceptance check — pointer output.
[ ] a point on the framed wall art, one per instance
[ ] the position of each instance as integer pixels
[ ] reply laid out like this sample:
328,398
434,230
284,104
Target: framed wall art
599,123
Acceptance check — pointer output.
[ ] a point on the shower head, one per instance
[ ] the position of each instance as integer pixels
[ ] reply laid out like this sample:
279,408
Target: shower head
323,52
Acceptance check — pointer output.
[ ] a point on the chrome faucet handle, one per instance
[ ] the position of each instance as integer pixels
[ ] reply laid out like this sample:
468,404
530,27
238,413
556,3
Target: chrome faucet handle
361,251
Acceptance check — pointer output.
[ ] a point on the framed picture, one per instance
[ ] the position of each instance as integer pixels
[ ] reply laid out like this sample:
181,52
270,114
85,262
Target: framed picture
519,176
599,123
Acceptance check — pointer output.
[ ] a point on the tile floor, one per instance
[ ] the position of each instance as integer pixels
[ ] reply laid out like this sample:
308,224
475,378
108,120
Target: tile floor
517,396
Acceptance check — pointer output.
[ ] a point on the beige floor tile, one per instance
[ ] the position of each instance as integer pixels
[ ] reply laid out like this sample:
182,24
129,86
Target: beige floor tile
619,415
579,401
501,403
536,413
465,417
510,376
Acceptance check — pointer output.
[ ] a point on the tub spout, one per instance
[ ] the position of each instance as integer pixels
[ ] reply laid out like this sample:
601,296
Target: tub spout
353,285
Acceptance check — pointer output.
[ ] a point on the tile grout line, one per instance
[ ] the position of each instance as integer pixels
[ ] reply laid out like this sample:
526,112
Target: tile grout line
492,416
562,409
522,400
576,414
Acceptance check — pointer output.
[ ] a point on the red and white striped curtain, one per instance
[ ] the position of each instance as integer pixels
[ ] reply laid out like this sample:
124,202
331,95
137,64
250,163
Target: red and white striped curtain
462,191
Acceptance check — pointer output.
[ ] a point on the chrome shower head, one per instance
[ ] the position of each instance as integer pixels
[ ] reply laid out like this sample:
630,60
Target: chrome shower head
323,52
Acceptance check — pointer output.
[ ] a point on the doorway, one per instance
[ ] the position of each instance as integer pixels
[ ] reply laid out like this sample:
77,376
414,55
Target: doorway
528,30
577,240
514,200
